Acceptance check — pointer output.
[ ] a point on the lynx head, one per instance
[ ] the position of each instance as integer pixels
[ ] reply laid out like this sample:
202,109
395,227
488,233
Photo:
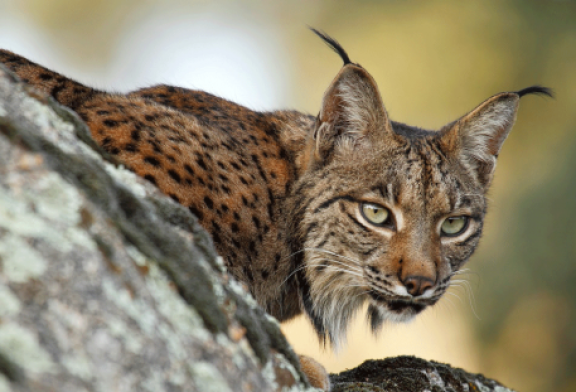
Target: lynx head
387,213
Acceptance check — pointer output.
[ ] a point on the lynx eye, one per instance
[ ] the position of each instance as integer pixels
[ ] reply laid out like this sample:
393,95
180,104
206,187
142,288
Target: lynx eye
454,225
375,214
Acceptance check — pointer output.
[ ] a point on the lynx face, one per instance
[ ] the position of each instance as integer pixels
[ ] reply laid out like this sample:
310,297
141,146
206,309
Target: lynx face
387,213
391,229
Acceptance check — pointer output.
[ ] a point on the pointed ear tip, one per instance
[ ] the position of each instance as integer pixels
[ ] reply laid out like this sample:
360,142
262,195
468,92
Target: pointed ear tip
353,67
506,98
354,73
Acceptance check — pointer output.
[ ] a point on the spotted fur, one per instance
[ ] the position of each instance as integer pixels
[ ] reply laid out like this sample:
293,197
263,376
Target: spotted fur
282,192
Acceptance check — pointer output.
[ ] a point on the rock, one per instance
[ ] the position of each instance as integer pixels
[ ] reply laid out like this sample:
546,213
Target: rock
108,285
406,373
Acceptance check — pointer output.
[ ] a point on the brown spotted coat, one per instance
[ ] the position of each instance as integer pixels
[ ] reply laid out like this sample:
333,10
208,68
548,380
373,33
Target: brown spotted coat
284,194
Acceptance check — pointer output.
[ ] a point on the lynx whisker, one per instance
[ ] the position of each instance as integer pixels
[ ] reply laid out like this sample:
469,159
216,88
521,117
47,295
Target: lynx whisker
465,283
337,269
299,268
320,265
356,262
358,285
350,267
380,290
458,285
468,289
449,304
333,254
465,271
363,290
452,294
292,255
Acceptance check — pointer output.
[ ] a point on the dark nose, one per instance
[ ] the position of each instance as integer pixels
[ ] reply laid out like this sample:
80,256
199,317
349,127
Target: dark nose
416,285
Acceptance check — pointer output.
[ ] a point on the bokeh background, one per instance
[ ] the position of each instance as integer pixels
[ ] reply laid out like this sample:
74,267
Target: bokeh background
515,318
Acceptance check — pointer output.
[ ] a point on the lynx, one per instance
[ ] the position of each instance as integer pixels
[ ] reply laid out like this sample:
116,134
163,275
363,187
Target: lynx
314,214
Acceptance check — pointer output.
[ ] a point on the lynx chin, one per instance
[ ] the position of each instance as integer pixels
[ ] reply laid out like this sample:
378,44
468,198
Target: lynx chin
316,214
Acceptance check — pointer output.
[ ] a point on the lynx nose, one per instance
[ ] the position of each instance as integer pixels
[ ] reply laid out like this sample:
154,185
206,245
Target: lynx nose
416,285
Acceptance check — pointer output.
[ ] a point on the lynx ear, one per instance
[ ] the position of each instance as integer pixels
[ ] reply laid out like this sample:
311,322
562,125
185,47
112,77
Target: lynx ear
352,113
477,137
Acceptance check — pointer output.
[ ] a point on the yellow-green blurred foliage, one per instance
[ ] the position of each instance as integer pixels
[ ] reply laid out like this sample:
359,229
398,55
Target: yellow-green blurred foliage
433,61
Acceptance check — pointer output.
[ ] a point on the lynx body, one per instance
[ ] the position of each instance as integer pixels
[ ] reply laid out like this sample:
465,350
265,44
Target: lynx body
315,214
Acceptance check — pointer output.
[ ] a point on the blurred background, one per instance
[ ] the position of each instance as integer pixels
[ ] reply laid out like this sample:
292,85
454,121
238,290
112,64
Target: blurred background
515,319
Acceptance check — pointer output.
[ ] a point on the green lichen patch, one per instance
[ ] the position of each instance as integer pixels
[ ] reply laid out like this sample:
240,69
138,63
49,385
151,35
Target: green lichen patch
121,330
22,347
78,366
133,307
17,217
50,212
9,304
154,382
20,262
208,378
126,177
56,200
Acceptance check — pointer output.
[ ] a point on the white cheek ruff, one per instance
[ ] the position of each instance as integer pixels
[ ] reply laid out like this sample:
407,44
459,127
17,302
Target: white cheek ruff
336,299
387,315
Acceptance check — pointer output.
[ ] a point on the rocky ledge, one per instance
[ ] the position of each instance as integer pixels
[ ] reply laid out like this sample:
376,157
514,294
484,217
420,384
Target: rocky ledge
107,285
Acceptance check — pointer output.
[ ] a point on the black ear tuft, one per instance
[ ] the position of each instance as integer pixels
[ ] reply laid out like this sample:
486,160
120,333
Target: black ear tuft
539,90
332,43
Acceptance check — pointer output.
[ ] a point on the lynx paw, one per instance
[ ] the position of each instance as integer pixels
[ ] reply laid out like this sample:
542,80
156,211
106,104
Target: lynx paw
317,375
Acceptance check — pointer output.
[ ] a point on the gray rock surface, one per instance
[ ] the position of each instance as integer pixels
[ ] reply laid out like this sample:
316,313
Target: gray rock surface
107,285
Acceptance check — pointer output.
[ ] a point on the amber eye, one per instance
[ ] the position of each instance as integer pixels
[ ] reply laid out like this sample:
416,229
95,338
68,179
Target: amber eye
454,225
375,214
